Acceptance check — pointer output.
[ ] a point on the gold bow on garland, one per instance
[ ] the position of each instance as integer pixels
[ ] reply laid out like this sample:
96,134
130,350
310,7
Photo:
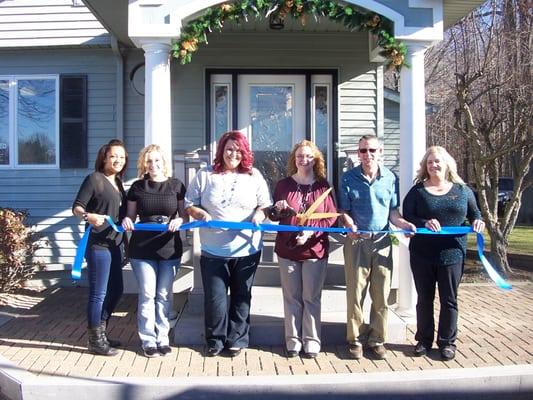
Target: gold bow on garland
353,18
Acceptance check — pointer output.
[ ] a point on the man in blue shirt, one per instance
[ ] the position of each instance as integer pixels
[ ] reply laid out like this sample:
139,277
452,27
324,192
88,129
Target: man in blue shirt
368,200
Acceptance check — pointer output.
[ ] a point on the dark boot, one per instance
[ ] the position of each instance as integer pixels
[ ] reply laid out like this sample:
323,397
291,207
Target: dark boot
97,343
112,342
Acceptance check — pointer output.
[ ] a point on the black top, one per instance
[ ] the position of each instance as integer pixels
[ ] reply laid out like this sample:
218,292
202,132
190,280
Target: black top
153,199
97,195
450,209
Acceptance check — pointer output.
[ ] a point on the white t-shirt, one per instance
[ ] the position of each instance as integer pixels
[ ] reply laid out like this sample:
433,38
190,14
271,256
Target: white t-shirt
229,197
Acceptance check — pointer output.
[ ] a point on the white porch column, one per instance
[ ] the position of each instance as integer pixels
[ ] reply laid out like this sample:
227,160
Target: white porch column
412,148
157,117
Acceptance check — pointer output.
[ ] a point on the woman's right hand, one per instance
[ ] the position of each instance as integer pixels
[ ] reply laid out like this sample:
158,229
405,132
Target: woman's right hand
127,224
204,216
95,220
281,205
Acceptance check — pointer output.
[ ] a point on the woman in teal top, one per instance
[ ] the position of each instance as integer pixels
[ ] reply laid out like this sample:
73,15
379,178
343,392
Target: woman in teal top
438,198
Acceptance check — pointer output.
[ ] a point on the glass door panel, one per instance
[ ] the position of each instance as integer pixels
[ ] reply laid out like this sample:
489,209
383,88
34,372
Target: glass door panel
272,114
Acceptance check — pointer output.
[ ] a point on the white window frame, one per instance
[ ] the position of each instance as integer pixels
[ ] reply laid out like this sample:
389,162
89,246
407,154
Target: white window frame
220,80
327,81
12,121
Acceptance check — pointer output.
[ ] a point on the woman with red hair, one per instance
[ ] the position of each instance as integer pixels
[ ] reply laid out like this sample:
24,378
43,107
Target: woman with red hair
229,190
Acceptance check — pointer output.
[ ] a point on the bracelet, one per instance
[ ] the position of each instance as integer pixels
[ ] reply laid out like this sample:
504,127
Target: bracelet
85,216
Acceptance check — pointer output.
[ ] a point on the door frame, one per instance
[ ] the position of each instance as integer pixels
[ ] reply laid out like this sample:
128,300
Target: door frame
333,140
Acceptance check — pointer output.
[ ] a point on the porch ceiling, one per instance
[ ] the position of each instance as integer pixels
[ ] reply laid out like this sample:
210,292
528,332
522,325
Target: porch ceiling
114,15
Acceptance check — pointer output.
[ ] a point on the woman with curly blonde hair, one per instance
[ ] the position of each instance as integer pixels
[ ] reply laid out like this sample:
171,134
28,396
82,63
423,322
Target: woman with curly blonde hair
302,259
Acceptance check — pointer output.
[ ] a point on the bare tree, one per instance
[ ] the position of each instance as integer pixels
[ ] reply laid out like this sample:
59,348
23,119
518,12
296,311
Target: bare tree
481,78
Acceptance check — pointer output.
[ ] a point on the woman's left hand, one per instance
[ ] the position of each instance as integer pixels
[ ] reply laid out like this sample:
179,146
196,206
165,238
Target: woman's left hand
175,224
478,225
258,217
303,237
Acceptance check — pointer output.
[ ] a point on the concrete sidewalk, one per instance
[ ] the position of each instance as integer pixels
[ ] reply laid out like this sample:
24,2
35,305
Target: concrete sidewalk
43,355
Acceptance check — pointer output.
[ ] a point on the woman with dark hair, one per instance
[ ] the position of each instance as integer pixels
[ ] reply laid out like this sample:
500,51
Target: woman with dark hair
302,259
229,190
438,198
154,256
102,194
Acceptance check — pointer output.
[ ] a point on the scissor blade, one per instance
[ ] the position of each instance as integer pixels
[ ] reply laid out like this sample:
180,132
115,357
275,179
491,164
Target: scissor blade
317,203
322,215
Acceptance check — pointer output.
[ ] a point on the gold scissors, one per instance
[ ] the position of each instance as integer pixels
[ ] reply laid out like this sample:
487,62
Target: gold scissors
302,218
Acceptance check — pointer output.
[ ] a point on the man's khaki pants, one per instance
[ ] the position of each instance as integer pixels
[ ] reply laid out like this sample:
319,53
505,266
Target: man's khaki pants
367,267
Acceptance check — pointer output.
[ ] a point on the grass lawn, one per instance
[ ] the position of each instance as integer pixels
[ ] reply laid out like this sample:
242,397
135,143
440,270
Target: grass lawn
520,240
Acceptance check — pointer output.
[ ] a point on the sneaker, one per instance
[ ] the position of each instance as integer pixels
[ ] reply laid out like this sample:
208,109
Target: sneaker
213,352
355,350
447,353
292,353
310,354
421,349
234,351
378,351
164,350
151,352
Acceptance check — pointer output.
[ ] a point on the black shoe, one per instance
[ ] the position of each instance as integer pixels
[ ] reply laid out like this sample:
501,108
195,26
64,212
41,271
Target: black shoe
447,353
421,349
164,350
151,352
213,352
310,354
292,353
234,351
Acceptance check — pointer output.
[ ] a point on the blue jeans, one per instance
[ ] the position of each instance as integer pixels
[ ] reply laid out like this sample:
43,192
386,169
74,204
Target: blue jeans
155,279
104,270
225,325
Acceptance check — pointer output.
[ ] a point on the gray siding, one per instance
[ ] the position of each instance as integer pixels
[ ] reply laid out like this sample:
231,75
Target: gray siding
29,23
48,193
391,135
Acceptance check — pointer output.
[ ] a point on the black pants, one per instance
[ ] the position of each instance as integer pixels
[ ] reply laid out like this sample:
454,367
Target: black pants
426,275
228,324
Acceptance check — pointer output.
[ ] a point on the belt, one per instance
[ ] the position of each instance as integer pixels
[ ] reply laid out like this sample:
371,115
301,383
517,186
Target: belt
373,236
158,219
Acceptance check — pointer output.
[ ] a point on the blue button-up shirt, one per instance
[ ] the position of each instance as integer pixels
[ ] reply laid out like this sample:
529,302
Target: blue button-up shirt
369,204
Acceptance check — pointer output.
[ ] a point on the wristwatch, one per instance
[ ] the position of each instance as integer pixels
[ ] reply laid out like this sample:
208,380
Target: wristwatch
85,216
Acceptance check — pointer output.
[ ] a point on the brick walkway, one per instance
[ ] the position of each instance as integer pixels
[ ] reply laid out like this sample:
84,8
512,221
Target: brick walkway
48,338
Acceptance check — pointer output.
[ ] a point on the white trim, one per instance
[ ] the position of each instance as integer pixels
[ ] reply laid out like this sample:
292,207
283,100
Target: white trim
219,80
12,121
327,81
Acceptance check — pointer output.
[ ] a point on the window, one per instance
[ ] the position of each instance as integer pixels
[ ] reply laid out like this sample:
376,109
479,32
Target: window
43,124
29,121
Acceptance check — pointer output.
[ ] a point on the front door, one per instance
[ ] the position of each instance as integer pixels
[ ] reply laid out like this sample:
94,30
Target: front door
271,111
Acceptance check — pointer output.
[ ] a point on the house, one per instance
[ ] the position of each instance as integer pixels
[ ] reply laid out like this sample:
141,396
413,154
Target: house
74,74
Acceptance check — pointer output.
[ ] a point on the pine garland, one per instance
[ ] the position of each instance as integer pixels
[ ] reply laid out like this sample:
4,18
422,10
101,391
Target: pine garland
353,18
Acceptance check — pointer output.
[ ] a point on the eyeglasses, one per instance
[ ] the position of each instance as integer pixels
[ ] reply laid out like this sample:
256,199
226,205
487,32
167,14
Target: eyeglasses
305,156
363,151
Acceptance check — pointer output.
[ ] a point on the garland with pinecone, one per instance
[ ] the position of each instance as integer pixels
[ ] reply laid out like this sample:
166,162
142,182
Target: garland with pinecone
213,19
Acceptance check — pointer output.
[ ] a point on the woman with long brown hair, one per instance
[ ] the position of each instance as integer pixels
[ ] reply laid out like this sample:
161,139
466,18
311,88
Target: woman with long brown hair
102,194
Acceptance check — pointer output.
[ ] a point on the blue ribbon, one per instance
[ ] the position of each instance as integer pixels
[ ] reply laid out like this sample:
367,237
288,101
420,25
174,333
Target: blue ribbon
230,225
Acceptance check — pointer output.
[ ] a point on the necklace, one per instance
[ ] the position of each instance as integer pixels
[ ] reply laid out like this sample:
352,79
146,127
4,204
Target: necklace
304,203
228,189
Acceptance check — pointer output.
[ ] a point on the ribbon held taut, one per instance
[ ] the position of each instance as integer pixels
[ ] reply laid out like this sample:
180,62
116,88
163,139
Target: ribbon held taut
446,230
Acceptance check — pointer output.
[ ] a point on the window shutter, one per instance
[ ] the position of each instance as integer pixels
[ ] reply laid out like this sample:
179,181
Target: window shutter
73,121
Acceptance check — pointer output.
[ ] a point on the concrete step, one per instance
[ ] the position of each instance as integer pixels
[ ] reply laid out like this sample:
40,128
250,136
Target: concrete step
267,318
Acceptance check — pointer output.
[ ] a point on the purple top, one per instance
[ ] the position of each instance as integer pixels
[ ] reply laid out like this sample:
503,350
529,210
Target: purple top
300,197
